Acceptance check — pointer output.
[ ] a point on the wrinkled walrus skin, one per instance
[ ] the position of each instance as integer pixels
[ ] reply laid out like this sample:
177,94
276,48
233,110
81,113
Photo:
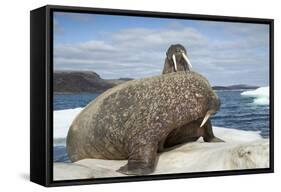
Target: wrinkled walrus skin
134,119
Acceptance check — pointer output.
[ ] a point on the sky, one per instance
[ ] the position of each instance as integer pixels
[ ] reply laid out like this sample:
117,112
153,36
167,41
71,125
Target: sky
115,47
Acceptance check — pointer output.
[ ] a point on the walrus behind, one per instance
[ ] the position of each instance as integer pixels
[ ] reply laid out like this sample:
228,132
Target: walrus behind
133,120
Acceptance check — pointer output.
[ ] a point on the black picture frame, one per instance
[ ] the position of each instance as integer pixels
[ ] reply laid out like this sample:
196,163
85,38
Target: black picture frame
41,94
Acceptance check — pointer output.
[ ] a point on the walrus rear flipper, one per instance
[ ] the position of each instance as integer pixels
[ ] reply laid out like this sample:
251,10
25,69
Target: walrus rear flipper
142,159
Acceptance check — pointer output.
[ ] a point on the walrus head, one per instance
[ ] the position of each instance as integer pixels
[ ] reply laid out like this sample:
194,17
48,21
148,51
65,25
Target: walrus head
176,59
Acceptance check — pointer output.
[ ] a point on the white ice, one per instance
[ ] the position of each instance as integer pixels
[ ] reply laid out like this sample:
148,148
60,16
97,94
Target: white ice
241,150
260,95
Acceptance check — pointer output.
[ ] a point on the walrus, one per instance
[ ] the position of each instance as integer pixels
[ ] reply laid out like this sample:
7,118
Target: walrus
176,59
138,118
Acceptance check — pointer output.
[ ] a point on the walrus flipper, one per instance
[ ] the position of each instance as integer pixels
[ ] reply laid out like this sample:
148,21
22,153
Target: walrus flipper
141,161
208,135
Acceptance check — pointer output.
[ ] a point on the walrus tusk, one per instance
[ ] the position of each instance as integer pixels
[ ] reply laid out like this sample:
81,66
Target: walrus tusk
207,116
175,62
186,59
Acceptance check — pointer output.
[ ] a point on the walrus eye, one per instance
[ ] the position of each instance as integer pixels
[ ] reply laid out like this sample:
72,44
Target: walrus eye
187,60
175,62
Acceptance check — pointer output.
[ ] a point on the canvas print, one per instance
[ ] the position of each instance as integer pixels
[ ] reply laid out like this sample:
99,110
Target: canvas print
137,96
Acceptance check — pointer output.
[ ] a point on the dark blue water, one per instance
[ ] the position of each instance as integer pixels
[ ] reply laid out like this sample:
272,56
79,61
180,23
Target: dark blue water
72,100
236,112
241,113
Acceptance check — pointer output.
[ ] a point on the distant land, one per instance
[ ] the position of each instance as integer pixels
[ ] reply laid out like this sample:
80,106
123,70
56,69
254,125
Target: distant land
235,87
90,81
82,81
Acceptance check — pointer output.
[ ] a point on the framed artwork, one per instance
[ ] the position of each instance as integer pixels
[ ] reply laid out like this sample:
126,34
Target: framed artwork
122,95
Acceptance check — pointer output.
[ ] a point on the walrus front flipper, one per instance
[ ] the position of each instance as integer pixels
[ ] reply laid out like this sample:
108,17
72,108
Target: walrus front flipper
142,160
215,140
208,135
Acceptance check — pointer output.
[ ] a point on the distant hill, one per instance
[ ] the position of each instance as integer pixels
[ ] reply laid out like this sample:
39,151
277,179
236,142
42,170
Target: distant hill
83,81
79,81
235,87
118,81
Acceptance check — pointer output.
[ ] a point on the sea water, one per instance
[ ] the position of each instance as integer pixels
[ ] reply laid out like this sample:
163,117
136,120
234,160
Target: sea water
240,109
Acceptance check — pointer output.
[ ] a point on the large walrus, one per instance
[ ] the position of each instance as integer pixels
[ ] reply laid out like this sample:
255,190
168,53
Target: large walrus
136,119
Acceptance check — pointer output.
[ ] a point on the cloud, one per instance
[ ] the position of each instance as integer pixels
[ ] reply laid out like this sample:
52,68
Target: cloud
139,52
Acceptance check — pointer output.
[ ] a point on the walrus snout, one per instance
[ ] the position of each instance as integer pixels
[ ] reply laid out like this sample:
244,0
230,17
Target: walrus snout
176,59
179,58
